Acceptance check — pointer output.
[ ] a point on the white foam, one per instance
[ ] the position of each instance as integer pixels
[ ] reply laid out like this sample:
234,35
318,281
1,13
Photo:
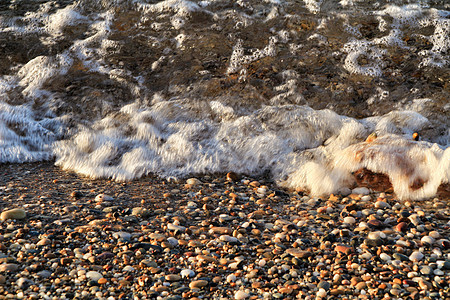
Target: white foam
238,59
313,5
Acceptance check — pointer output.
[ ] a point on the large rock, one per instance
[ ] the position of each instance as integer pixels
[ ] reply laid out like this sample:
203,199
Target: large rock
16,213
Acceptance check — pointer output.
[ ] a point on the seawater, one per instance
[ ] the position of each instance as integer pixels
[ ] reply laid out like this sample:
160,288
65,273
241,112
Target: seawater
120,89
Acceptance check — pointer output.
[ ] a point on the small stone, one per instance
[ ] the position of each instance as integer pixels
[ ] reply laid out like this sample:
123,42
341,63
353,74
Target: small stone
23,283
102,280
416,256
122,235
241,295
221,230
385,257
299,253
401,227
229,239
231,176
140,212
16,214
349,220
361,191
128,269
9,267
343,249
193,181
426,270
197,284
427,240
173,277
324,285
321,293
174,227
93,275
44,274
381,204
434,234
103,197
187,273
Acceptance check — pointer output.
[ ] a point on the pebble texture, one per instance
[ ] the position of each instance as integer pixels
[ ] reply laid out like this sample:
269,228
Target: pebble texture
216,237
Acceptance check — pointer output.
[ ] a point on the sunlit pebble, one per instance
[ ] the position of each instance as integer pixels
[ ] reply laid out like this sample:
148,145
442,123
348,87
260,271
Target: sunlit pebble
416,256
385,257
434,234
103,197
186,273
349,220
427,240
241,295
321,293
231,278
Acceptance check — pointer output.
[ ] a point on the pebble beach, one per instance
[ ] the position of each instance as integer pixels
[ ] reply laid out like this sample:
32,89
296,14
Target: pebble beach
221,236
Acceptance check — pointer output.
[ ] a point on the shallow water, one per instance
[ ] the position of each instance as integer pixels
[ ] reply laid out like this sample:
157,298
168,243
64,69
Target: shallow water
120,89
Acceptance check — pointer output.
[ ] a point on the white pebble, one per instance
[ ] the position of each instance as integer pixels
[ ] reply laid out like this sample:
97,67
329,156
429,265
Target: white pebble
385,257
103,197
427,240
231,278
322,293
128,269
416,256
361,191
349,220
186,273
241,295
227,238
93,275
434,234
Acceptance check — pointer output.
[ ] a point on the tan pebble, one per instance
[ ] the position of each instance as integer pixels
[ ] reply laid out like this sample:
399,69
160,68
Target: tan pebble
197,284
343,249
166,245
124,282
206,258
183,242
233,196
195,244
9,267
44,242
161,288
335,292
16,214
425,285
254,184
361,285
333,197
221,230
285,290
102,280
173,277
2,279
299,253
395,292
167,195
257,214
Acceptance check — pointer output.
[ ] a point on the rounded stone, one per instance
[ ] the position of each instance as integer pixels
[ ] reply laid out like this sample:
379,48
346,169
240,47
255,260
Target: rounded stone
94,275
16,214
416,256
241,295
197,284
